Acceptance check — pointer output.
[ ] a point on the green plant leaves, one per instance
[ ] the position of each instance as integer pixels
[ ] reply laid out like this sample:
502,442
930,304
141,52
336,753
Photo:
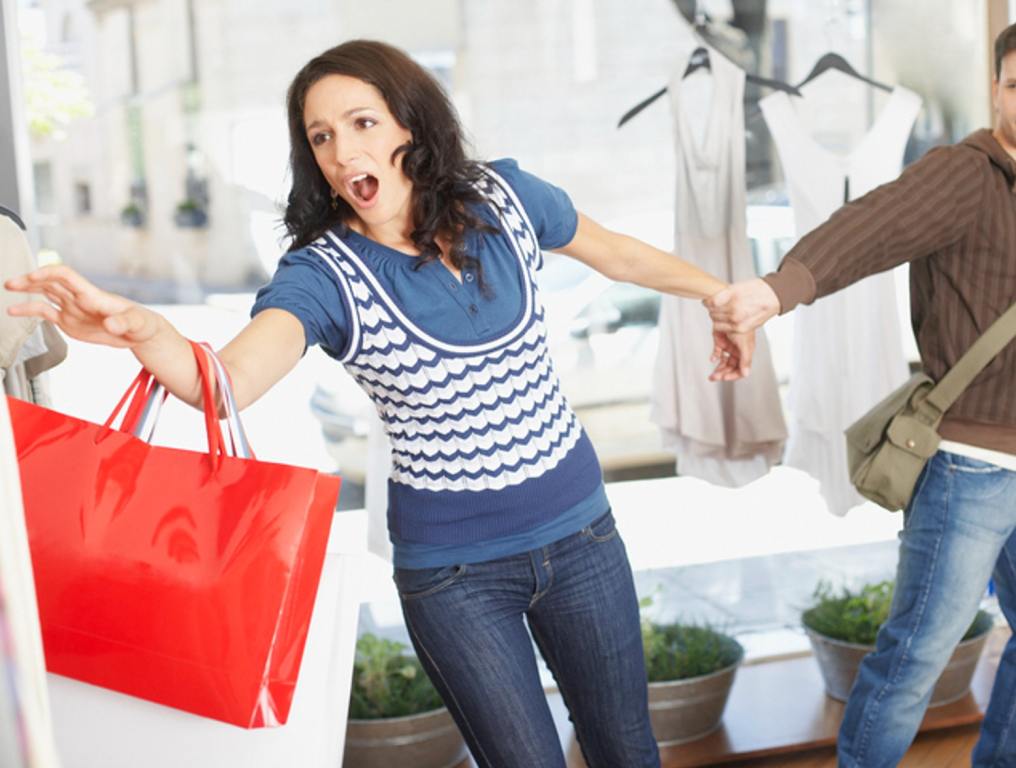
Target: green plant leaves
855,616
387,682
681,651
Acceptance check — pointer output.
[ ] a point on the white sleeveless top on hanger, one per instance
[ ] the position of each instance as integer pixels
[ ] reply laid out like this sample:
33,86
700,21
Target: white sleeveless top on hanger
848,351
727,433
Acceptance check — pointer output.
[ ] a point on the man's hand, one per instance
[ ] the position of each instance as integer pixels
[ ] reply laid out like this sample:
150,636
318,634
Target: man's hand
732,353
742,307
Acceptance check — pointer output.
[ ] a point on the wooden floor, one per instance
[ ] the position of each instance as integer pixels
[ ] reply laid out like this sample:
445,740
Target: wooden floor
942,749
779,716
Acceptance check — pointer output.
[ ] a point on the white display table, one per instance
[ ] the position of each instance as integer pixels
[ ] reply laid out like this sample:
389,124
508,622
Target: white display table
96,728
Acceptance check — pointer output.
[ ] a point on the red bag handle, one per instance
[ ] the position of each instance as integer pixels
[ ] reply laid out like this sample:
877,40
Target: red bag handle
239,443
216,445
144,383
136,405
138,385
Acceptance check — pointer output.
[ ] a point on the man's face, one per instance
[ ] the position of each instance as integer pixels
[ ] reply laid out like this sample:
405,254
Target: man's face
1003,94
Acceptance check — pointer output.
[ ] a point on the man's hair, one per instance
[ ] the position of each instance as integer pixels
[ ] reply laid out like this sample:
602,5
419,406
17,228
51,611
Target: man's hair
1004,43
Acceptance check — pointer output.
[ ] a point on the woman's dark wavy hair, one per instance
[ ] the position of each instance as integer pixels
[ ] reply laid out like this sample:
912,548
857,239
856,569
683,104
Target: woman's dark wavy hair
435,161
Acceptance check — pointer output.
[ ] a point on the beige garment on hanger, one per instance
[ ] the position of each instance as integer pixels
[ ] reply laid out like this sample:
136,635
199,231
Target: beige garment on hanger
15,259
28,348
728,433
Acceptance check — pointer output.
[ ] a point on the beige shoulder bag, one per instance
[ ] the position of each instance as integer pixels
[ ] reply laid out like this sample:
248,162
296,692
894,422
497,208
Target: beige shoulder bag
888,447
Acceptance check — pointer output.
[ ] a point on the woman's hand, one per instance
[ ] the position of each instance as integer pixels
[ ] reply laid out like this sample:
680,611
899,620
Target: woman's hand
261,354
81,310
732,353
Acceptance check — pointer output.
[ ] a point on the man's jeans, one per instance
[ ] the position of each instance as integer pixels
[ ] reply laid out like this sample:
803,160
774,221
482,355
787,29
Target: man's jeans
958,532
468,625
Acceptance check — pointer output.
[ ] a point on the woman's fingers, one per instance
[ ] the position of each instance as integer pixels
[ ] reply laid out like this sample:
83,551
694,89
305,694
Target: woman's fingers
58,295
725,372
720,350
72,293
725,353
80,309
726,368
732,354
36,309
69,285
29,282
62,274
745,344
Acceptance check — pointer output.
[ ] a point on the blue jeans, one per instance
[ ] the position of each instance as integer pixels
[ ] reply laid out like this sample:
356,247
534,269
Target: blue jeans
468,626
958,532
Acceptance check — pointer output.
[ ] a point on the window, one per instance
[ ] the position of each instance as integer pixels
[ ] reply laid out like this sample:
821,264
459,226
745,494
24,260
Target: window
82,198
45,200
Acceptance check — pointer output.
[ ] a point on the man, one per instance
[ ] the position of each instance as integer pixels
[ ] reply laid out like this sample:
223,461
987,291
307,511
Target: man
952,215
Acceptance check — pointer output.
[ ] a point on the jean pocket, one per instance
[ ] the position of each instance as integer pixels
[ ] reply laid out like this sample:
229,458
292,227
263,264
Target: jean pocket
971,466
414,583
602,529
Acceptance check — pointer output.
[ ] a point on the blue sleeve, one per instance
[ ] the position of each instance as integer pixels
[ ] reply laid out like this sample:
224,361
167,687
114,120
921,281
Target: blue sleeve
549,208
306,287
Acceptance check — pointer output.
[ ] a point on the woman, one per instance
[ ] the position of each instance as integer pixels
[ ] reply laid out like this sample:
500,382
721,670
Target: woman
415,268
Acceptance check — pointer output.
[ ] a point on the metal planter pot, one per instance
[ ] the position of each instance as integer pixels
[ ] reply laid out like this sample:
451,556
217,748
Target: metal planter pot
428,740
686,710
839,661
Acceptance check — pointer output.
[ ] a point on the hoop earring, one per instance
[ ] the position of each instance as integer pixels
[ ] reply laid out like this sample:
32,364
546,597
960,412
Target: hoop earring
335,200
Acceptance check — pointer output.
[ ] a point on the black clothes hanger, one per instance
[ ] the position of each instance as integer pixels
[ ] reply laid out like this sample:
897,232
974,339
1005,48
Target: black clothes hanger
700,60
824,64
640,106
13,217
837,62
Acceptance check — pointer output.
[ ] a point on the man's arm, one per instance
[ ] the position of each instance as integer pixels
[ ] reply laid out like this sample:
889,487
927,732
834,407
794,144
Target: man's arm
928,208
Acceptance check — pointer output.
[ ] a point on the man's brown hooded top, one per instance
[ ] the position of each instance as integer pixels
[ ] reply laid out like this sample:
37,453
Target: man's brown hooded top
952,215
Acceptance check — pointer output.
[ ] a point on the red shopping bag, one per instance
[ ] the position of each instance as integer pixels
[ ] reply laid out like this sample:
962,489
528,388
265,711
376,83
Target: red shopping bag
184,578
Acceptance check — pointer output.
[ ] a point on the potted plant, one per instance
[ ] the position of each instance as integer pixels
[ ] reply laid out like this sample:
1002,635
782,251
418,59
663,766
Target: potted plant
131,215
842,628
691,669
190,214
395,715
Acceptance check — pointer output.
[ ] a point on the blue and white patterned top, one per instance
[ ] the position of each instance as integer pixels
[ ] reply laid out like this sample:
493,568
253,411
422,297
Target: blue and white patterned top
485,449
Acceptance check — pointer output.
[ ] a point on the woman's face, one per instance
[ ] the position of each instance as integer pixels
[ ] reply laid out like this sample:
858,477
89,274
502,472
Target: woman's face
353,135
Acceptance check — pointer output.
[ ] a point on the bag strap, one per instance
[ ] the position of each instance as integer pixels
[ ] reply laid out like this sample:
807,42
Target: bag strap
216,445
974,360
134,399
237,434
144,398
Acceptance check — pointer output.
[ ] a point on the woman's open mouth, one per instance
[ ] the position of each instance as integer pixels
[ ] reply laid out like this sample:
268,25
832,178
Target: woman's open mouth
363,189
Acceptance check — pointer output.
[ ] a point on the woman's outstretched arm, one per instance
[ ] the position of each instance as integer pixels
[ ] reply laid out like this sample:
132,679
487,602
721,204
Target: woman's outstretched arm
261,354
628,259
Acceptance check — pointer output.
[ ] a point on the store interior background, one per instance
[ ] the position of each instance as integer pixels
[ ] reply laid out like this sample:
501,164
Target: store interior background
150,107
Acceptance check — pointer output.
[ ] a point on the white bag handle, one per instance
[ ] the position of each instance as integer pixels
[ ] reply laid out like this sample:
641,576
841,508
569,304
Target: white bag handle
149,418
